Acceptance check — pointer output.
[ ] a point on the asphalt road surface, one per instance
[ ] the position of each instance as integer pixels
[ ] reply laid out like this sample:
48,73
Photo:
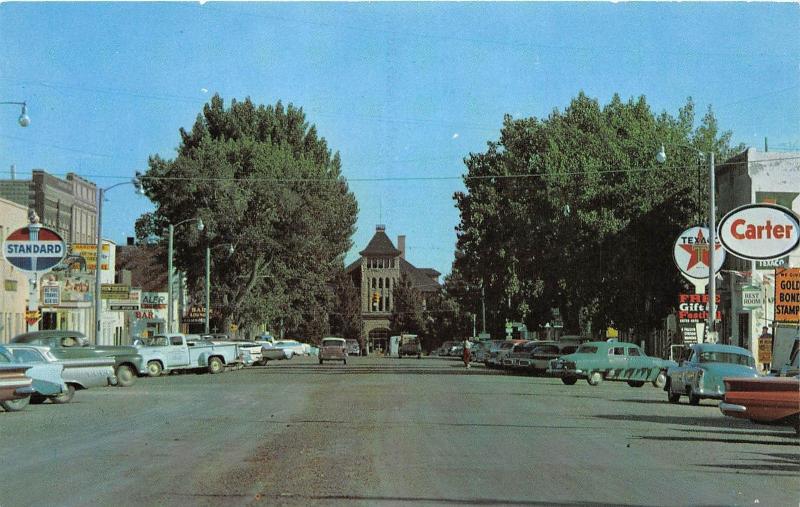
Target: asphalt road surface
388,432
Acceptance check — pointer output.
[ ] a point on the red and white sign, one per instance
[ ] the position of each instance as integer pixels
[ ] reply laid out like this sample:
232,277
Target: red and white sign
760,231
692,256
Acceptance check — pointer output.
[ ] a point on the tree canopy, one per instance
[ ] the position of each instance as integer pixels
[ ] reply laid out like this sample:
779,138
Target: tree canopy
262,180
573,212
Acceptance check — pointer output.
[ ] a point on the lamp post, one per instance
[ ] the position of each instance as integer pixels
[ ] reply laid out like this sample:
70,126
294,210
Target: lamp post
208,283
661,157
24,120
98,255
171,229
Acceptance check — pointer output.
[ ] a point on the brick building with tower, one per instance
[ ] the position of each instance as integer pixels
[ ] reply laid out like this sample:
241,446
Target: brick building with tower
376,273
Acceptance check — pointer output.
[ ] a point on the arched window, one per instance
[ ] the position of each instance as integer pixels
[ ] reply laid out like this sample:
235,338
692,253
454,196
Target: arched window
380,283
387,282
388,306
373,283
380,305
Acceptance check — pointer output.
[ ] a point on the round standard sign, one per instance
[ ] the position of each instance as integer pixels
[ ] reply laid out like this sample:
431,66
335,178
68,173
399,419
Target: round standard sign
760,231
691,253
34,249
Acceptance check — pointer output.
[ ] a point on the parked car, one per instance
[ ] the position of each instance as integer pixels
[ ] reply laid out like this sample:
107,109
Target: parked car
250,351
544,352
45,381
496,356
518,359
333,349
410,345
269,352
77,374
478,351
170,352
353,348
75,345
610,360
264,338
701,374
15,386
444,348
296,348
767,400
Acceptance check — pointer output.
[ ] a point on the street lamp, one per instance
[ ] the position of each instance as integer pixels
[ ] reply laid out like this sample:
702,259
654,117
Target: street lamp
171,228
24,120
231,249
100,198
661,157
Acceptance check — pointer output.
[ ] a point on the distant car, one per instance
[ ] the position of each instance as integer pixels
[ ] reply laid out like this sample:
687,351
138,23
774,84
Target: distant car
78,374
295,347
479,351
353,348
269,352
496,356
519,357
701,374
610,360
544,352
410,345
333,349
765,400
445,348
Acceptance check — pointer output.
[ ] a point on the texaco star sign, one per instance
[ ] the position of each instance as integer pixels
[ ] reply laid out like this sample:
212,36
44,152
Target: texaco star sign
691,253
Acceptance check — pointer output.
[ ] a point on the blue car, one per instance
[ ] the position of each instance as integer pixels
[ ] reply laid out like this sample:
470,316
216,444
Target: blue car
47,380
701,374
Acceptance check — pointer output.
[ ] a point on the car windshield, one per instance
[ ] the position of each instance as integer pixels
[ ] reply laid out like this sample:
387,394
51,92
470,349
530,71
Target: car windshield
507,345
546,349
587,349
332,343
726,357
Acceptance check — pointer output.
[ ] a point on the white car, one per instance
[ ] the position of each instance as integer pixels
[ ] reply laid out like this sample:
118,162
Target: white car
294,346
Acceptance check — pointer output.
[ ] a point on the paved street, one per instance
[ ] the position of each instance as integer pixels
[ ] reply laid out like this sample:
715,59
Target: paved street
388,431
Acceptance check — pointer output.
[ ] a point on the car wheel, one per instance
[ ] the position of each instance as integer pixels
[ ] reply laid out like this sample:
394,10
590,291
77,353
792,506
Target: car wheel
660,380
15,405
570,381
154,369
215,365
595,378
693,398
636,383
125,376
64,397
673,397
37,399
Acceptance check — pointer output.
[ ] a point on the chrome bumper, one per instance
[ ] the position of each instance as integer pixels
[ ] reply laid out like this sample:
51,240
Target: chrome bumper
730,407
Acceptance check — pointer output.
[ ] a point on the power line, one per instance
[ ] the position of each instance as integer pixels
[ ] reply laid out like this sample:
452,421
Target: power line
423,178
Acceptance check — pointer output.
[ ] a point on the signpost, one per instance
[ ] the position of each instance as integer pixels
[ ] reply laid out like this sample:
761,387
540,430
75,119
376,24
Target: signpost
36,250
115,291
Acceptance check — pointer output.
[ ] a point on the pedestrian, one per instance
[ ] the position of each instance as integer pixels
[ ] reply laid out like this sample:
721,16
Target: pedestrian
467,352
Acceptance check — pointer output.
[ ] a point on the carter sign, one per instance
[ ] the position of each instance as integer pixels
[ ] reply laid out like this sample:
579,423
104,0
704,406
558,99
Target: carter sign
760,231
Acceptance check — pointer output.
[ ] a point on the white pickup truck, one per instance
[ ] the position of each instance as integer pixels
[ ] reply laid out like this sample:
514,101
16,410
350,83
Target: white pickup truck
169,352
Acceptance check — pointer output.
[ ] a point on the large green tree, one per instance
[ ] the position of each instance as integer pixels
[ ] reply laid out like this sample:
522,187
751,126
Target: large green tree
573,212
262,180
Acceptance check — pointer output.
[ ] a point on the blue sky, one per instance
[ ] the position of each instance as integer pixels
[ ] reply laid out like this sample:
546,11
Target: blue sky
399,89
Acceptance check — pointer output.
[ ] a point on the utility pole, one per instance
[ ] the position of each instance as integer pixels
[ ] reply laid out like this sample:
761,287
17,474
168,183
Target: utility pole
483,306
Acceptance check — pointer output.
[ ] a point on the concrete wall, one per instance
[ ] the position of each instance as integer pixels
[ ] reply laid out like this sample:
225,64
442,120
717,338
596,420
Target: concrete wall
13,282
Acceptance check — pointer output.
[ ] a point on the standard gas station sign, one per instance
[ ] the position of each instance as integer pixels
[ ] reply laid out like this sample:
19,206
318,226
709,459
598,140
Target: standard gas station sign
35,249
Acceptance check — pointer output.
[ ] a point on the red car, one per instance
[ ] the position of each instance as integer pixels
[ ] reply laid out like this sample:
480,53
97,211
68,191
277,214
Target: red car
763,400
